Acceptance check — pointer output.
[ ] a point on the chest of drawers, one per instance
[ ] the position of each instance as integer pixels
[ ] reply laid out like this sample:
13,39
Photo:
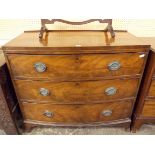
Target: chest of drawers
145,107
76,78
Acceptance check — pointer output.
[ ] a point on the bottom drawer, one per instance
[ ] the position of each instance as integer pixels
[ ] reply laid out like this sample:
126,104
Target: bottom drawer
77,114
149,108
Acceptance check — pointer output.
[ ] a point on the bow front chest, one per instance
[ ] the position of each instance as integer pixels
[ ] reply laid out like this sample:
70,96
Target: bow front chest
76,78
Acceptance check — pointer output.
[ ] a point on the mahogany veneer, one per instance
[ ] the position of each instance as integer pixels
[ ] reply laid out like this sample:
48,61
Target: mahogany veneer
76,78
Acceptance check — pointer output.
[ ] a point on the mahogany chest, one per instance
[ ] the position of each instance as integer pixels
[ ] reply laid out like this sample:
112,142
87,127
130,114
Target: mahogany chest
76,78
145,105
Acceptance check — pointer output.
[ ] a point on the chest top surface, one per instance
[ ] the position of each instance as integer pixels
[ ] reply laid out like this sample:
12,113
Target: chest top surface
73,40
149,40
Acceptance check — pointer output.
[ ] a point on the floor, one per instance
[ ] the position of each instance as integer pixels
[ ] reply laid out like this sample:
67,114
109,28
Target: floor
145,130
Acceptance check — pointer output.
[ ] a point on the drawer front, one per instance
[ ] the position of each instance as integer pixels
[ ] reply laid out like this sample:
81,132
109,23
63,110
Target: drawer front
72,67
76,92
77,113
149,108
152,89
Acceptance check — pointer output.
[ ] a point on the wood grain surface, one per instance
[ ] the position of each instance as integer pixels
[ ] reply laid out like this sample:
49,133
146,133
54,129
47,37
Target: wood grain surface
72,39
151,92
144,111
76,67
76,76
76,92
150,41
149,109
77,113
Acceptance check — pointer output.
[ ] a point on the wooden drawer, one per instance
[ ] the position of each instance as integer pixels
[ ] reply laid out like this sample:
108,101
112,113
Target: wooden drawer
73,67
149,108
152,89
77,113
76,92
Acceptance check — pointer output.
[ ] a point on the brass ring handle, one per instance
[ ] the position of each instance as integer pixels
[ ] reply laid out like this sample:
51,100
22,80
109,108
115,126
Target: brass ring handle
40,67
111,91
107,113
48,113
113,66
44,92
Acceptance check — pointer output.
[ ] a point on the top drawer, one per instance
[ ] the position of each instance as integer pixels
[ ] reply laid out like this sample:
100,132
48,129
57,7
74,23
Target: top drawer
72,67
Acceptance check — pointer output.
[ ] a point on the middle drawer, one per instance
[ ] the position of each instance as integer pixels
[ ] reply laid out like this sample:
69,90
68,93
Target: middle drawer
76,92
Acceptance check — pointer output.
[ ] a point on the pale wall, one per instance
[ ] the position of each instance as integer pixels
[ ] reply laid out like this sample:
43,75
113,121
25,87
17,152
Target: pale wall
11,28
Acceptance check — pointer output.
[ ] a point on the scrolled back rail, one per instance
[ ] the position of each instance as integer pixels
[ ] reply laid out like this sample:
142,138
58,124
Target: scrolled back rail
52,21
